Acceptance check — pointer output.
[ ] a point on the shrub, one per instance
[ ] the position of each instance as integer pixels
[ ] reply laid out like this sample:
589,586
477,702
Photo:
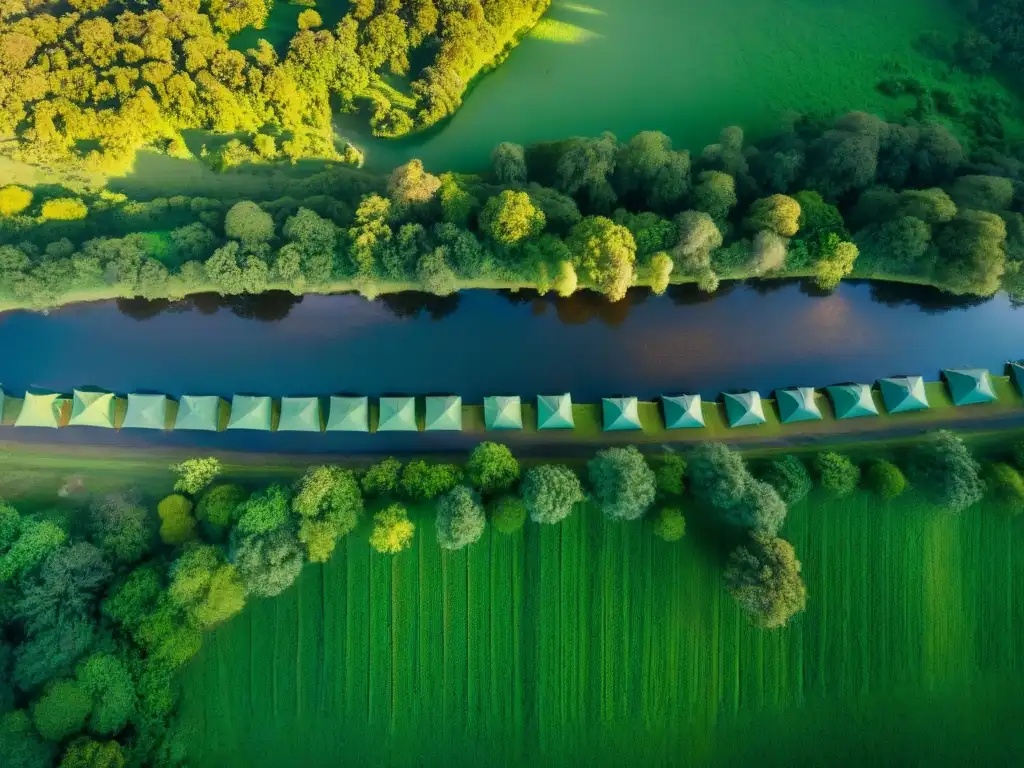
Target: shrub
460,518
763,576
423,482
218,505
195,474
264,511
790,478
508,514
622,481
392,530
176,522
550,491
836,473
382,478
1007,487
492,468
670,476
670,524
885,478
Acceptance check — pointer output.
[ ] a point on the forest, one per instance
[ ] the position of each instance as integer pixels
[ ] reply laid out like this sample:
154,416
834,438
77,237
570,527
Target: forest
824,199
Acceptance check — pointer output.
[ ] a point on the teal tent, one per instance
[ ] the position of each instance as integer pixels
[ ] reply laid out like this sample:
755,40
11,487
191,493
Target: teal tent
92,409
299,414
743,409
251,412
501,412
443,414
198,412
349,414
1017,371
851,401
554,412
40,411
397,414
797,404
146,412
682,411
903,393
969,386
620,414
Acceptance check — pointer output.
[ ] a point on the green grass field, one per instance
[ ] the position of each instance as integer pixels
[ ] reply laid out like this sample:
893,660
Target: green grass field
592,642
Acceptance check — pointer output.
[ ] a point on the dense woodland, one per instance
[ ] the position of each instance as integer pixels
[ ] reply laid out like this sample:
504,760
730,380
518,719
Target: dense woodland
101,606
823,199
95,80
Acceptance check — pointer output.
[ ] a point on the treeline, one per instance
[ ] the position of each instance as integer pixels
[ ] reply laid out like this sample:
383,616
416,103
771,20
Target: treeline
826,200
93,81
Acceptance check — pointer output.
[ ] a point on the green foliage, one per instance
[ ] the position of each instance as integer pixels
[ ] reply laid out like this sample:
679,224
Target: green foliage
622,482
63,209
52,652
106,679
835,261
836,473
195,474
508,513
777,213
511,217
1006,485
460,518
135,598
670,525
790,478
14,199
176,522
206,588
550,491
264,511
246,222
604,252
328,503
88,753
122,526
62,710
20,743
64,587
885,478
34,541
509,163
269,563
382,478
492,468
422,481
763,576
670,475
717,475
217,506
392,530
972,253
944,469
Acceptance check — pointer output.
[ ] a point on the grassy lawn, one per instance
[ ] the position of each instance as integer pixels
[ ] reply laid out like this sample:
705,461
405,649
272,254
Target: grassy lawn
595,642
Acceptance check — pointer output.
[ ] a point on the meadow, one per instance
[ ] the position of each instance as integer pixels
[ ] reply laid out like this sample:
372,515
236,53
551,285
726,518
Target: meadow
597,642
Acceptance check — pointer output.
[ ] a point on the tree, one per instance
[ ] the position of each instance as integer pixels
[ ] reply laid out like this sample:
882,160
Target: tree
64,587
778,213
492,468
176,522
717,475
328,503
508,514
53,652
509,163
381,479
89,753
246,222
835,261
204,586
63,209
411,185
195,474
20,743
264,511
14,199
309,19
511,217
217,506
978,193
121,526
670,525
763,576
648,170
31,541
1006,486
933,206
623,483
767,253
661,267
836,473
565,282
760,509
135,597
715,194
585,169
972,253
790,478
605,252
62,710
268,563
670,476
550,491
392,530
460,518
108,682
699,237
424,482
943,468
885,478
435,274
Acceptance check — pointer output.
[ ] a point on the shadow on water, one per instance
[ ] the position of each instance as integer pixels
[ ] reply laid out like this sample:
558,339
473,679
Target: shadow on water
582,307
268,307
411,304
929,300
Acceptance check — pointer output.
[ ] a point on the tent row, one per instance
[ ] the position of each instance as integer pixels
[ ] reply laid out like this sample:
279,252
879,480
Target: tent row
899,394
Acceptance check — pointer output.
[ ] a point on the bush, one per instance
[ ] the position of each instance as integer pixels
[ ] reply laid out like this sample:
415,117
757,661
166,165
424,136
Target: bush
424,482
492,468
392,530
763,576
508,514
790,478
836,473
176,522
460,518
885,478
217,506
622,481
382,478
1006,486
195,474
550,491
670,524
670,476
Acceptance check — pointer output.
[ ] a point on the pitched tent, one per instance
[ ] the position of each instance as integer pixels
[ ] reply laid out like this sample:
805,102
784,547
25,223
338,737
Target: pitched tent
146,412
797,404
969,386
1017,371
397,414
682,411
554,412
40,411
299,414
443,414
92,409
903,393
198,412
620,414
743,409
851,401
349,414
503,412
251,412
